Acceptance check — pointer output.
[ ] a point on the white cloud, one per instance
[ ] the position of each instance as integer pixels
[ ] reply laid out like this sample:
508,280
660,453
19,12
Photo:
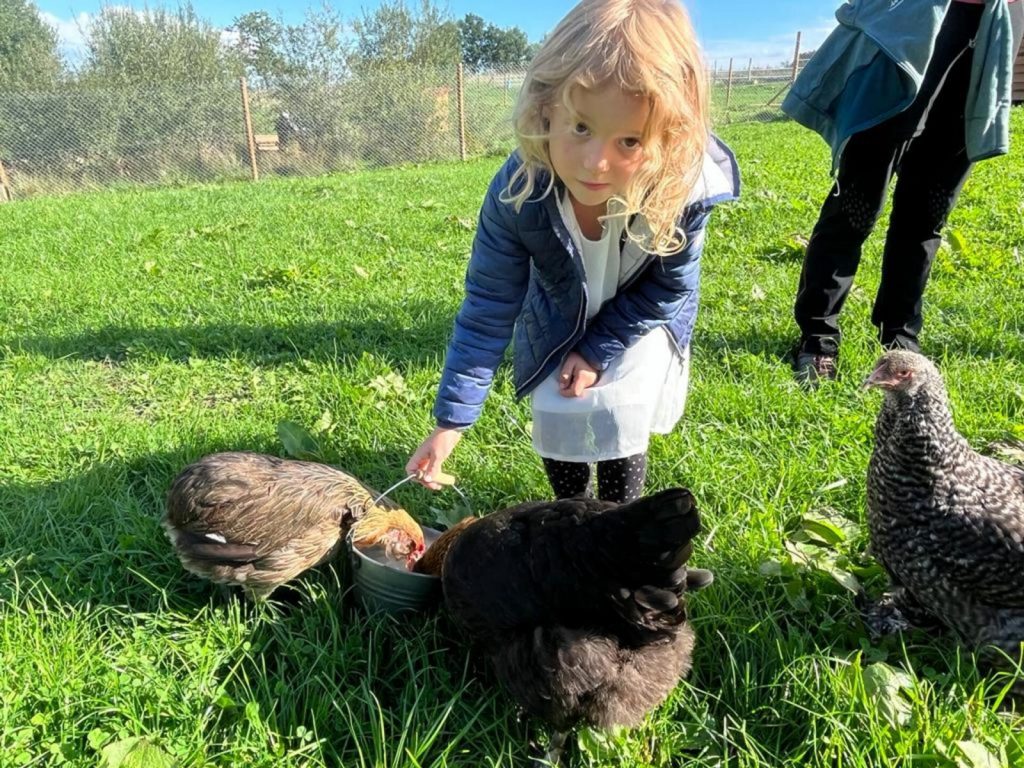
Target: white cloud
771,51
229,38
70,34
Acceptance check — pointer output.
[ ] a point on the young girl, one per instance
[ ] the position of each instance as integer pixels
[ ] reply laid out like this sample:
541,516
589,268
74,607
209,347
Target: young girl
587,251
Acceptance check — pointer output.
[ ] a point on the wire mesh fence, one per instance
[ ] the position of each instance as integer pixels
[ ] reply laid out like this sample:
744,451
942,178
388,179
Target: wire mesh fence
745,95
85,137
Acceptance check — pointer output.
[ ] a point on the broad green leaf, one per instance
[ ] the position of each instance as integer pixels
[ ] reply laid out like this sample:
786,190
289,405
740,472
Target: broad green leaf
797,595
135,752
823,531
96,738
798,556
956,241
846,579
976,756
113,755
252,713
325,422
298,443
598,745
884,685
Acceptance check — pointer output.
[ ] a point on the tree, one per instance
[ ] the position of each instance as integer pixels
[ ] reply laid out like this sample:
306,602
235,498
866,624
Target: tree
318,49
261,43
510,48
393,34
281,56
29,59
435,37
486,46
474,41
805,56
161,92
411,106
156,47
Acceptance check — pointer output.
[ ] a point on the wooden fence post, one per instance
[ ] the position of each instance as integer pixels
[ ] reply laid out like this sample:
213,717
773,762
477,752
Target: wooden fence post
728,86
459,87
792,77
796,58
250,137
6,191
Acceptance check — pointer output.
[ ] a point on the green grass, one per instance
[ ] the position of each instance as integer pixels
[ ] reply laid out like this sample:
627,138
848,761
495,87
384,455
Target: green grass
142,329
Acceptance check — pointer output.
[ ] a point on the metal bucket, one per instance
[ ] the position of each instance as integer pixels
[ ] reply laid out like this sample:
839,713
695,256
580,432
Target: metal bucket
383,587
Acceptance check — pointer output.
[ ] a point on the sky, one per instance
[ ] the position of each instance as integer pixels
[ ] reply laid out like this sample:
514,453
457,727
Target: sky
764,30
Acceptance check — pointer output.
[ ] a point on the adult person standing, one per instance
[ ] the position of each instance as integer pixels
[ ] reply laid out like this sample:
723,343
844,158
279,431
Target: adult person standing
916,88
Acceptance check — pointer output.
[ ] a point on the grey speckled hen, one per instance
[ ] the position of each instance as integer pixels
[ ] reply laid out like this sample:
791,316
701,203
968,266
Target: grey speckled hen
946,522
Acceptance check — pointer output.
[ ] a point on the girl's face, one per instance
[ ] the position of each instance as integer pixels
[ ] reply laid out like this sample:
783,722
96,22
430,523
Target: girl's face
595,147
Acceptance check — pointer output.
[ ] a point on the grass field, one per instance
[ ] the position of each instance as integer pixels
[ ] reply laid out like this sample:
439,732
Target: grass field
142,329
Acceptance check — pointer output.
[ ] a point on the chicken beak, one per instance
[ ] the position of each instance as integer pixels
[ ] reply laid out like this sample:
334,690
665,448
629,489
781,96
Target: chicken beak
880,377
414,557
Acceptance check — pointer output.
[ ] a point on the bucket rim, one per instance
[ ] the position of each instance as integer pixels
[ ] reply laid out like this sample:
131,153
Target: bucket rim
353,548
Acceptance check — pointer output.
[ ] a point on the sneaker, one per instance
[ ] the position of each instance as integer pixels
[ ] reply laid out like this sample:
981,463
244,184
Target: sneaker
902,342
811,368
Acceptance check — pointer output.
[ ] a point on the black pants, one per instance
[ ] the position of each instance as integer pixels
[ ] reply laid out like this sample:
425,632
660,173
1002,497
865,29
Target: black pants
925,147
618,480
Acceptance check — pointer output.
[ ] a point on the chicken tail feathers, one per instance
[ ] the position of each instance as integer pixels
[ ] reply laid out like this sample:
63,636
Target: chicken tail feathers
205,548
660,528
651,541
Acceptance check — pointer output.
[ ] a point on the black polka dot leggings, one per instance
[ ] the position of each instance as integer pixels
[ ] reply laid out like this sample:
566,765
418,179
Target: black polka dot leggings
618,480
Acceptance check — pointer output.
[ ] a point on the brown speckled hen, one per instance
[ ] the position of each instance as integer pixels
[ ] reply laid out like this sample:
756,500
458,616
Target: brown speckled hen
946,522
578,604
259,521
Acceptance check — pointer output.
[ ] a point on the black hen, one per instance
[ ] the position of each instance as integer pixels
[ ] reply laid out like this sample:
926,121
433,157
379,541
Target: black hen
946,522
579,604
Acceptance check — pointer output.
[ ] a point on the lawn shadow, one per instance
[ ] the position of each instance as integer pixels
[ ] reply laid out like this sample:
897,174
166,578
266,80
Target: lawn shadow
788,253
420,343
95,537
369,681
772,345
775,345
1009,345
315,656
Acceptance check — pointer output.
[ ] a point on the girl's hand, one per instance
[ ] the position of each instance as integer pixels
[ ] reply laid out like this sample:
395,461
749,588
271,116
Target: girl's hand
431,454
577,375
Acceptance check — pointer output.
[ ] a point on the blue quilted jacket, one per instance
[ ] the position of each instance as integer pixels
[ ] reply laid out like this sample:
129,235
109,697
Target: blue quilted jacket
525,284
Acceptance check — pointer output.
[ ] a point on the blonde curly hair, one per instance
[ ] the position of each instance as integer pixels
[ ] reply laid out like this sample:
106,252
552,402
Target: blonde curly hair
646,47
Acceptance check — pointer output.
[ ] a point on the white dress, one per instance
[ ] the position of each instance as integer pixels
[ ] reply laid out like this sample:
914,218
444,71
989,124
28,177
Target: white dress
642,391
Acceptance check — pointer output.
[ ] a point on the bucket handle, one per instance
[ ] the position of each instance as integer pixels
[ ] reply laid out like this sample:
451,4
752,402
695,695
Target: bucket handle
444,479
356,561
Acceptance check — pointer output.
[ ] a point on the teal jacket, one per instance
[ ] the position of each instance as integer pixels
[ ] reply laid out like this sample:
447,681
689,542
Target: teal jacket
871,67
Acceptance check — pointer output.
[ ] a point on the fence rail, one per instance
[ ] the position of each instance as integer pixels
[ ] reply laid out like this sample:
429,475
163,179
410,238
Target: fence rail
84,137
